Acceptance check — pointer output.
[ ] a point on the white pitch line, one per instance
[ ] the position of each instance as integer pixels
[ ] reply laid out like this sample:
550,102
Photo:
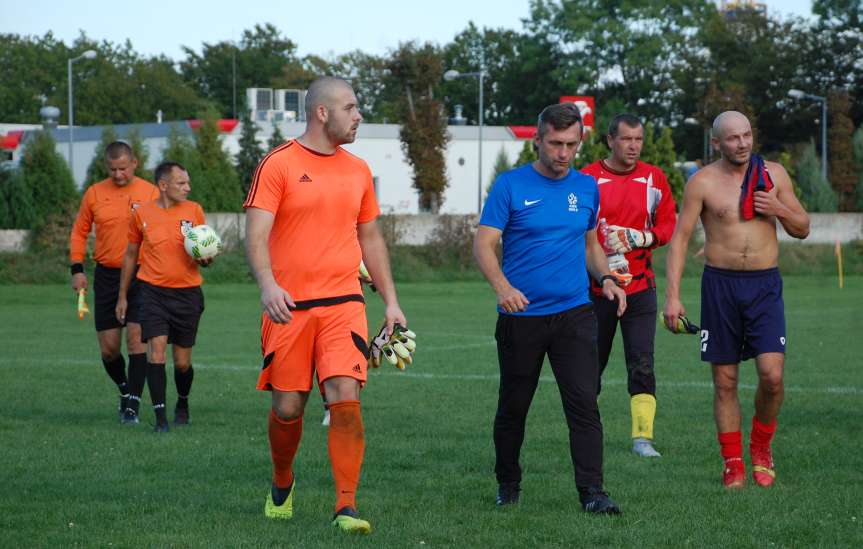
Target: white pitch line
253,366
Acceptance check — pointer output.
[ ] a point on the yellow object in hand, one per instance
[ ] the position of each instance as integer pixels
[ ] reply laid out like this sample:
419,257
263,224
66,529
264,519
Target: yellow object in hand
83,309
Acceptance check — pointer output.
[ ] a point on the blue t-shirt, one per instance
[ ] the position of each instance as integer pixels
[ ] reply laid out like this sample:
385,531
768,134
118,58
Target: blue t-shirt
543,223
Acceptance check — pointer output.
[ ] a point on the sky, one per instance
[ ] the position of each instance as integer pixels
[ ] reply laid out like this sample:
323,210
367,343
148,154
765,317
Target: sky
373,26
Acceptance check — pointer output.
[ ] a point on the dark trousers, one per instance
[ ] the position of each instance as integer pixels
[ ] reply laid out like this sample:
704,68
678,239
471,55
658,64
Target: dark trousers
638,325
569,340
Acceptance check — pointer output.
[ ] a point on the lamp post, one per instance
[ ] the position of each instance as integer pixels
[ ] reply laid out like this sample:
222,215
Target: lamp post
452,74
706,148
89,54
800,94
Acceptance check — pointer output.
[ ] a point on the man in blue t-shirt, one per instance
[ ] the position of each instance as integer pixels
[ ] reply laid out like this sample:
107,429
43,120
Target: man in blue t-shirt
546,213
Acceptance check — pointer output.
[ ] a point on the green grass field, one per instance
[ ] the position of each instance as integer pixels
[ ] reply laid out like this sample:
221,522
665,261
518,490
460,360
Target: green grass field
70,475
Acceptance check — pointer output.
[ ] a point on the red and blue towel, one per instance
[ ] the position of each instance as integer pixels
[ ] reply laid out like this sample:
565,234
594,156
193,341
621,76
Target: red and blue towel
757,179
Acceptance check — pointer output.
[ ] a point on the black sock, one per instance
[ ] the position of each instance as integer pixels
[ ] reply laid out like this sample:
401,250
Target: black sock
183,380
157,381
137,378
116,369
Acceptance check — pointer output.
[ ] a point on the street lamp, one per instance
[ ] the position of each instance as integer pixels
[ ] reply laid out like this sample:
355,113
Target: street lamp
450,75
689,121
89,54
800,94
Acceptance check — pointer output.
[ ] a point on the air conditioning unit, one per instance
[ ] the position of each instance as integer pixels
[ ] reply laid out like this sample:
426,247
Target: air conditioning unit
292,101
259,99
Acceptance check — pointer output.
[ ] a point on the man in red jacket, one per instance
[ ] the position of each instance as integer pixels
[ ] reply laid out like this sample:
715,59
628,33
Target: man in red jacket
636,214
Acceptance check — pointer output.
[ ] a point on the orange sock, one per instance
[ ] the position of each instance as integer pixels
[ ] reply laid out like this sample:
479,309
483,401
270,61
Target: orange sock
284,441
346,445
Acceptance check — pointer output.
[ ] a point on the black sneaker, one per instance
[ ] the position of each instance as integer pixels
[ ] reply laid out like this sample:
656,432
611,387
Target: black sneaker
130,417
181,415
507,493
121,408
595,501
161,427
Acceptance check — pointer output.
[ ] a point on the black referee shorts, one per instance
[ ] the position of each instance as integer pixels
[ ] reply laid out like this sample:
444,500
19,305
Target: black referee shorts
174,312
106,287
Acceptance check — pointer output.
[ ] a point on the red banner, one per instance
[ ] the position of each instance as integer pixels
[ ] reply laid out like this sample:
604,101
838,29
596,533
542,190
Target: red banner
586,105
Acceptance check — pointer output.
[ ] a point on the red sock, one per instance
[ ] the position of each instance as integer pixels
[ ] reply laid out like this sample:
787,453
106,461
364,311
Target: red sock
762,435
346,446
285,438
731,445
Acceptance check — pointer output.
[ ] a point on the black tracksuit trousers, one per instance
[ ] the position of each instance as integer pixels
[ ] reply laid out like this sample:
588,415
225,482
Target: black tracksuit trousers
569,340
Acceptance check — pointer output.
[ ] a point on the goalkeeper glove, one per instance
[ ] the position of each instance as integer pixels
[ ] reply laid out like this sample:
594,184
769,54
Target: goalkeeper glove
619,267
683,326
625,239
397,349
365,277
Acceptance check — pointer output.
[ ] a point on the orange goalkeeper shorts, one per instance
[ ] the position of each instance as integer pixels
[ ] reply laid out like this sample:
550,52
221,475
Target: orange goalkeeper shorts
328,341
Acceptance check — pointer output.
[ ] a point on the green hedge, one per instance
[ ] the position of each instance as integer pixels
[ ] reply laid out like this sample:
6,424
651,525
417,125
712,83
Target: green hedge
430,263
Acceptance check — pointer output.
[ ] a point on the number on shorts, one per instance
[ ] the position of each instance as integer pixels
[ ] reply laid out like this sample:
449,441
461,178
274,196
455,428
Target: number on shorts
704,335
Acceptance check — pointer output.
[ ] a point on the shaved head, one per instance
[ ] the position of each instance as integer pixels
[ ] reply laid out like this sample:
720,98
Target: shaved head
324,92
732,136
729,120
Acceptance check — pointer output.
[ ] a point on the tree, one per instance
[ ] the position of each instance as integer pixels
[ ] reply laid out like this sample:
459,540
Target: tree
180,149
858,157
16,200
276,138
47,178
666,159
527,154
250,154
216,186
97,170
501,164
260,58
593,148
843,172
418,70
141,152
815,191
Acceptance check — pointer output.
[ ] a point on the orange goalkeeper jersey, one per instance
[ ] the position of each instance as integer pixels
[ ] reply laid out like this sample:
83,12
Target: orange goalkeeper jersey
317,200
164,261
109,207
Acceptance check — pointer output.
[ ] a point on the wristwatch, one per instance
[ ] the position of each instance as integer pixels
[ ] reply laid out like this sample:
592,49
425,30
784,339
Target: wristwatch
607,277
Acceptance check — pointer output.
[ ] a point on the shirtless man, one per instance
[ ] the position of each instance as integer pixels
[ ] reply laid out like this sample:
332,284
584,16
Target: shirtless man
742,312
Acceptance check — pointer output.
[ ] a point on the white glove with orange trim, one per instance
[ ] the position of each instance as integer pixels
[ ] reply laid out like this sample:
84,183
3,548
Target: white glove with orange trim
397,349
625,239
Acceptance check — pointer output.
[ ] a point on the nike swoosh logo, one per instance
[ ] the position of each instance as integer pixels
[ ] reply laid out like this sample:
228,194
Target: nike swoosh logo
531,202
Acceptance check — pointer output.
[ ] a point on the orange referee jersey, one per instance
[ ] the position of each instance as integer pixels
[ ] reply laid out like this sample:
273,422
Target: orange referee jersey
109,207
317,200
164,261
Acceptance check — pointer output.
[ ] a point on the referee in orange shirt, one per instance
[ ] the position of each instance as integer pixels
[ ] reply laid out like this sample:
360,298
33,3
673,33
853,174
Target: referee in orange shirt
170,298
108,205
310,218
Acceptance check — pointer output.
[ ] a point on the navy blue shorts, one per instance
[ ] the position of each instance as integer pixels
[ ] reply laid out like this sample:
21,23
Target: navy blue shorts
742,314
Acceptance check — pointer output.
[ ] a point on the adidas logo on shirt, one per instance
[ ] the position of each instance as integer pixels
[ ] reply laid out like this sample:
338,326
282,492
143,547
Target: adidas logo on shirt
305,179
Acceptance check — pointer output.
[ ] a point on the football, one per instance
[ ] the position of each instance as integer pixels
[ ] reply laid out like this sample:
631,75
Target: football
202,242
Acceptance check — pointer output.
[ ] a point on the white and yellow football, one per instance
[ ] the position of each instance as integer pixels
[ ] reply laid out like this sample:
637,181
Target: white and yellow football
202,242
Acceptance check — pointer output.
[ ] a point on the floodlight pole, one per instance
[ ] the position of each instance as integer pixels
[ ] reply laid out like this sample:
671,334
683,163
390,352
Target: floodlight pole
798,94
89,54
452,74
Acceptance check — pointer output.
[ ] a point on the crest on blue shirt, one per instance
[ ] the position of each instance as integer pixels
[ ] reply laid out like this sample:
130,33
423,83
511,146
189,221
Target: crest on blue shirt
573,202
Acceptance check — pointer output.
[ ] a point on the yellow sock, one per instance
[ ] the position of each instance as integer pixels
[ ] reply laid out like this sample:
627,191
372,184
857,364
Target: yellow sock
643,408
